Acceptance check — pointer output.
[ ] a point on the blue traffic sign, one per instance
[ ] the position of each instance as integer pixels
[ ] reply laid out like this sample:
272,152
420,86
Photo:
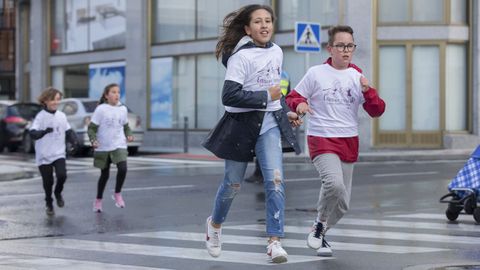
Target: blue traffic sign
307,37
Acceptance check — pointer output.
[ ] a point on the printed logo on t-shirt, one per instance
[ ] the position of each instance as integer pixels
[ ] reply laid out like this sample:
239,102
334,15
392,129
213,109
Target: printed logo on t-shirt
269,76
338,94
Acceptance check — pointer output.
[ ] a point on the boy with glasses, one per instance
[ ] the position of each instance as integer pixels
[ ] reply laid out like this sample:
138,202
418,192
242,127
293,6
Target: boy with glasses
332,94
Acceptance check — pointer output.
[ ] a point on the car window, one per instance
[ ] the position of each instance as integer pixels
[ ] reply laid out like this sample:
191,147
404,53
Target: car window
27,111
70,108
90,106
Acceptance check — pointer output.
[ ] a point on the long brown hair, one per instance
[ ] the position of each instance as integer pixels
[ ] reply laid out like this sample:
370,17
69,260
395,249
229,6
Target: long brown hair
107,88
233,28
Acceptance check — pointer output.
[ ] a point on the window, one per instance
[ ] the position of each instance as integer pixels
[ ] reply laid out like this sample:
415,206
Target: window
210,78
85,25
456,89
191,19
411,12
173,20
172,92
426,88
210,14
290,11
392,86
73,80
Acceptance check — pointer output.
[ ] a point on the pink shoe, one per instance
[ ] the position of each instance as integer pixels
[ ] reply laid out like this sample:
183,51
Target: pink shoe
97,206
118,200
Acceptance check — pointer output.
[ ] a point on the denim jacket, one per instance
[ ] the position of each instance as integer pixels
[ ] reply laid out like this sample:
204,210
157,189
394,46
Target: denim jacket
235,135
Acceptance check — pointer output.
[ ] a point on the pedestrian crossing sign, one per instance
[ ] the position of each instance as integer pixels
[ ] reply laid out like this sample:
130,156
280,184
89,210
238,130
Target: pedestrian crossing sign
307,37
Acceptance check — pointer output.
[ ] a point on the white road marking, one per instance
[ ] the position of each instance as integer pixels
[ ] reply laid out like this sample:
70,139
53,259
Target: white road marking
375,234
161,251
403,174
21,262
433,216
161,187
286,242
410,224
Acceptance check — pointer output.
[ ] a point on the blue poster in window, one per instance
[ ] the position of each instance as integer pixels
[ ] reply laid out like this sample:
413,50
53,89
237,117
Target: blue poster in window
161,92
101,75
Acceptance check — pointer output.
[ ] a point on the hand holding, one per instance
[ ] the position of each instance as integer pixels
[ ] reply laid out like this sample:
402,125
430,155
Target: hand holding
275,92
95,144
303,108
130,138
364,83
294,120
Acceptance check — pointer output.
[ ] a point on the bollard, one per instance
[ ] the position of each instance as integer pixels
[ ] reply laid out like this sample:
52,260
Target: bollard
185,134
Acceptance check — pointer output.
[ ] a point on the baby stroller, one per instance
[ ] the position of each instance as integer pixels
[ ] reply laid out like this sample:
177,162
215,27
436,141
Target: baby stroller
465,190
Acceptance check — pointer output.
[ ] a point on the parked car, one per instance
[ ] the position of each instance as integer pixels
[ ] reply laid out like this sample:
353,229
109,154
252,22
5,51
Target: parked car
15,118
80,110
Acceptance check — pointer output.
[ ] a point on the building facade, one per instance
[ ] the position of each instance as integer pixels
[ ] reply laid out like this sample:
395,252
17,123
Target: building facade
421,55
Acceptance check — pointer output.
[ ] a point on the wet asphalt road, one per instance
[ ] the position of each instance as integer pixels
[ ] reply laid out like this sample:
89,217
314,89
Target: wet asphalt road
395,220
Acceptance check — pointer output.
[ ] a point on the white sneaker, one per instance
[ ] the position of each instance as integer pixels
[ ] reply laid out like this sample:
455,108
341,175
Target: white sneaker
213,243
315,237
276,253
324,250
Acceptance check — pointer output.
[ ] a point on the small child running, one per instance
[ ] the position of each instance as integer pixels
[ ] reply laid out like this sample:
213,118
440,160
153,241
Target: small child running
109,132
50,128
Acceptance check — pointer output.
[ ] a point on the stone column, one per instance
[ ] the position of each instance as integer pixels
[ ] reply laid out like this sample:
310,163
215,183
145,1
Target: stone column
38,48
137,62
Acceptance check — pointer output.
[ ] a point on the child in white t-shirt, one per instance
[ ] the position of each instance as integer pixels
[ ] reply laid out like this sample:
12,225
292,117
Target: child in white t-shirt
109,132
50,127
332,94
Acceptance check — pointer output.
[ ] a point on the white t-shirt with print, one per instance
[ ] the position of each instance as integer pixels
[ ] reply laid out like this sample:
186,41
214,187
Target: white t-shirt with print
257,69
334,96
110,121
52,145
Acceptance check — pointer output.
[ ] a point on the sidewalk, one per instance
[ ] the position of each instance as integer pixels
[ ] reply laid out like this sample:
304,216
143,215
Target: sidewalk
10,172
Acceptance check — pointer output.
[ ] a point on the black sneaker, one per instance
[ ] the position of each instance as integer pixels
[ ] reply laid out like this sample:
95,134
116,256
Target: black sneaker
49,209
60,201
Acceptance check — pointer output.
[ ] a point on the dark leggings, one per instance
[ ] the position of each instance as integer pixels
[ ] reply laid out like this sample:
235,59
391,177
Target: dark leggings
105,174
46,171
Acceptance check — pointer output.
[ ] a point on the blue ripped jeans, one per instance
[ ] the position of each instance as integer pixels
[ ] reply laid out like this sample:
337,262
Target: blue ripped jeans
269,154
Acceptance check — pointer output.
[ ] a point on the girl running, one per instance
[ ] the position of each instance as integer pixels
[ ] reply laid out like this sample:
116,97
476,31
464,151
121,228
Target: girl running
109,132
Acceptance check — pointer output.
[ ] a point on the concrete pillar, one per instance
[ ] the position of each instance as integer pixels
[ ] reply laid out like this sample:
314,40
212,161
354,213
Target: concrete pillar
475,67
362,24
38,48
136,48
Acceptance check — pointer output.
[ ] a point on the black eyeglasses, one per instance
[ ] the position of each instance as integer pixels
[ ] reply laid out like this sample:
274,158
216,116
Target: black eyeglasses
350,47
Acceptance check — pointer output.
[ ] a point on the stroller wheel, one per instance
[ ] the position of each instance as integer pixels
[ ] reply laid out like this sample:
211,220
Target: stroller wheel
453,210
476,215
469,205
451,215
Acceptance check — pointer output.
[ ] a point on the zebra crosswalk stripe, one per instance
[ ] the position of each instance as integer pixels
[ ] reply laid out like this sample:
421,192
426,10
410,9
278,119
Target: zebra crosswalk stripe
374,234
163,251
10,262
286,243
410,224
